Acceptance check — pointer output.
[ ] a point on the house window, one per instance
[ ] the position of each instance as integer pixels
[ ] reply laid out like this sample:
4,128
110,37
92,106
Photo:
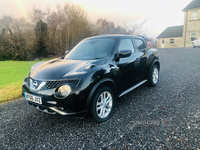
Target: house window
171,40
194,15
192,36
163,41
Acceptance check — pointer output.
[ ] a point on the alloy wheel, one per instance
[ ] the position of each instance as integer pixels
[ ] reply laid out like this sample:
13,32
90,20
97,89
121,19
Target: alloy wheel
104,104
155,75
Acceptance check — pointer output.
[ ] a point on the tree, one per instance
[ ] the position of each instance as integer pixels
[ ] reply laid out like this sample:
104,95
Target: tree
16,40
102,26
40,33
66,27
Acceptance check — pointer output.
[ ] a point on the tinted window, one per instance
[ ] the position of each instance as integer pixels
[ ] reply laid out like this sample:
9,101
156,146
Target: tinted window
140,44
126,44
92,49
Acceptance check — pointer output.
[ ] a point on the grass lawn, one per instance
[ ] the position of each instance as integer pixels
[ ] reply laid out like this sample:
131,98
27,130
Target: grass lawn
12,74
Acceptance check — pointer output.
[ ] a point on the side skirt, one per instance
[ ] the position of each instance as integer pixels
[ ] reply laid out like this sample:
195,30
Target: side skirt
130,89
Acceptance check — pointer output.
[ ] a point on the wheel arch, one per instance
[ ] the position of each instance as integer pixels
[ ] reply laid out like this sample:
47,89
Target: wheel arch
155,62
104,82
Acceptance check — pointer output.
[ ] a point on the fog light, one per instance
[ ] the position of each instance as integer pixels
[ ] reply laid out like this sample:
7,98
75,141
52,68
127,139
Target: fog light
61,108
64,90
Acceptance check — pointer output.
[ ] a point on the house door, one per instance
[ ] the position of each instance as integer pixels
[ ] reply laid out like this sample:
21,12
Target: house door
163,44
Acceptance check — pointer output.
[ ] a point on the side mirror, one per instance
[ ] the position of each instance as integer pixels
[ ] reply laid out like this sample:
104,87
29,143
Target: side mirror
125,53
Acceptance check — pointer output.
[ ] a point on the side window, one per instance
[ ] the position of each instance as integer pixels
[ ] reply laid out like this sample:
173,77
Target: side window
126,44
140,44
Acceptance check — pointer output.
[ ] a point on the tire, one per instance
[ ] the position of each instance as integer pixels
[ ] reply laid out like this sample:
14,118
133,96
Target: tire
100,109
153,76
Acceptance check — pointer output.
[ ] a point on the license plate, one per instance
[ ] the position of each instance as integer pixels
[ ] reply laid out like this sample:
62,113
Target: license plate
33,98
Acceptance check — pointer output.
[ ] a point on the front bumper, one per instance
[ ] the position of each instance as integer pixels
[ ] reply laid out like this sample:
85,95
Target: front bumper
73,104
50,110
55,110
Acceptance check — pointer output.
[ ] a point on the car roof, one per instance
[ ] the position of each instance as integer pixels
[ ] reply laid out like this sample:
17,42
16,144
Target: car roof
113,36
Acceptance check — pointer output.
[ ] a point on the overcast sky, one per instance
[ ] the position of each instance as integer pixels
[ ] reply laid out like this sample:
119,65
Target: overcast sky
162,13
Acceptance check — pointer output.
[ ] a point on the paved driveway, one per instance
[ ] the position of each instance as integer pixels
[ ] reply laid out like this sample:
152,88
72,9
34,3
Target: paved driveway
163,117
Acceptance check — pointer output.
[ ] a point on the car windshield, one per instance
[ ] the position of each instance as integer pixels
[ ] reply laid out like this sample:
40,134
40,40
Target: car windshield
92,49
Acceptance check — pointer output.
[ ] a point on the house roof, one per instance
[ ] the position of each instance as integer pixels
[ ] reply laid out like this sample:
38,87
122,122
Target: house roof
175,31
193,4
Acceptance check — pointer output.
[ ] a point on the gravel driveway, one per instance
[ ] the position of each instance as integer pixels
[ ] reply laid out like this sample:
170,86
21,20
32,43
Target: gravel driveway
164,117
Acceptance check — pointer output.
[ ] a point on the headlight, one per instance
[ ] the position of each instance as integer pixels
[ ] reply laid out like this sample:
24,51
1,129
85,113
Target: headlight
25,81
64,90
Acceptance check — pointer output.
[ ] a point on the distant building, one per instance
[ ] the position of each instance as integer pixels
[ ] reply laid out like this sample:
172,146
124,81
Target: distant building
182,36
171,37
191,28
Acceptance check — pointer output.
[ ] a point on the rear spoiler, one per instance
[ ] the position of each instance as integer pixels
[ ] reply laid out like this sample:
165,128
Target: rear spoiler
144,37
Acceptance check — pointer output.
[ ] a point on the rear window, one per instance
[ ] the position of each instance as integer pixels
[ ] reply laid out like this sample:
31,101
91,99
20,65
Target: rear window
140,44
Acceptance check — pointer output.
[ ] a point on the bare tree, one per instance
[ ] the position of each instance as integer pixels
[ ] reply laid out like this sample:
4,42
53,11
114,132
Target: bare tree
135,29
102,26
66,27
36,15
17,41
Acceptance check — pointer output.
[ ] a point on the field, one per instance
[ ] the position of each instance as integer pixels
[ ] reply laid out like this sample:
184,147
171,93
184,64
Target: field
12,74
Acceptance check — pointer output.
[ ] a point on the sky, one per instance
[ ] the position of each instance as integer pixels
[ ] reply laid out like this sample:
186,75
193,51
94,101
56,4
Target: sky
160,13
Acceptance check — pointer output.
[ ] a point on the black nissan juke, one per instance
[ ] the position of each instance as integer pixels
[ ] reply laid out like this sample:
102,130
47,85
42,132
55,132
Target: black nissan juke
91,76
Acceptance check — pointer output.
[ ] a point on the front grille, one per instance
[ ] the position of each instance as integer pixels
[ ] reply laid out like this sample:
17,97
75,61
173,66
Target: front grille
55,84
52,84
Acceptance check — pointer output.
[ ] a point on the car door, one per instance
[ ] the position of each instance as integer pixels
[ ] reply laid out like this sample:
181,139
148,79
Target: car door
127,65
141,47
197,42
